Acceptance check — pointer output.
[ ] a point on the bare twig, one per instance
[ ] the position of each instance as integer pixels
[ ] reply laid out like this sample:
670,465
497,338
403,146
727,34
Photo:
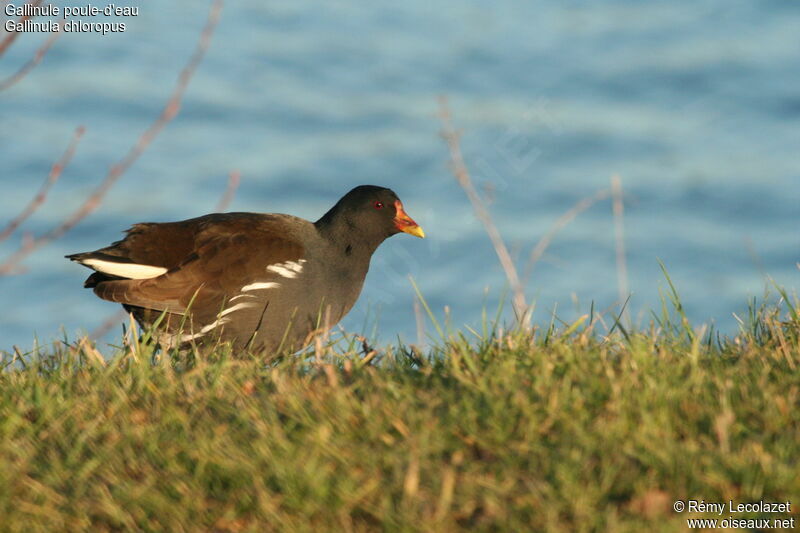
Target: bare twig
12,35
108,324
461,173
619,238
568,216
35,60
169,112
230,192
52,178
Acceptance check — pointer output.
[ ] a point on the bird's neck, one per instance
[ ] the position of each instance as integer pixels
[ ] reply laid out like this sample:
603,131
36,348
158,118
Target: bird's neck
352,242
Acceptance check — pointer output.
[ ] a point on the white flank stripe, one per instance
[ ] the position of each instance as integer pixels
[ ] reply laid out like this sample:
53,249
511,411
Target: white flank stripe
282,271
289,269
236,307
242,296
188,337
125,270
170,339
214,324
297,266
261,285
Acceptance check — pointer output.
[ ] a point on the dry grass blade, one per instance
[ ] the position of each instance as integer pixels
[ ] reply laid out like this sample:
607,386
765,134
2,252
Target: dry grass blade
619,239
12,35
169,112
562,221
91,352
35,60
52,178
461,173
419,320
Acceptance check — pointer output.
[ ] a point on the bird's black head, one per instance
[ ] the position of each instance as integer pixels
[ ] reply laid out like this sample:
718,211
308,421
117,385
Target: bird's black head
370,213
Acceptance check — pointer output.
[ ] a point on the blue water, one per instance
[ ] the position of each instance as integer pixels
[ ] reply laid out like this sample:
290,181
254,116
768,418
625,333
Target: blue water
695,105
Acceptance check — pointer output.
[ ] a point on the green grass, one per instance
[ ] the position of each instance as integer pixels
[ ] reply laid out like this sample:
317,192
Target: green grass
556,430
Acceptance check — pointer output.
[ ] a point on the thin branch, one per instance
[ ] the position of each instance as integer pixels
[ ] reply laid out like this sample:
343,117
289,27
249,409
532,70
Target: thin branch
169,112
461,173
230,191
12,35
108,324
35,60
568,216
52,178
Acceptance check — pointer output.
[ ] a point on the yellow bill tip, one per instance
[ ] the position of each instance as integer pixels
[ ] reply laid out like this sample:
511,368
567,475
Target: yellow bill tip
405,223
416,231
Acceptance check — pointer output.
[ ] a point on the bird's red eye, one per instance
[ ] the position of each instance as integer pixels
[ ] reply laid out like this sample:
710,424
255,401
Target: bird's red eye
378,204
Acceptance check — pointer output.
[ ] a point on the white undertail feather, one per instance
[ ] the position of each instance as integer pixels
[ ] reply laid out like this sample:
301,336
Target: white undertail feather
125,270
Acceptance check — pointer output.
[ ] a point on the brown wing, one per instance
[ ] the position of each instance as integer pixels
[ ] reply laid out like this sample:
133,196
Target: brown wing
169,244
222,261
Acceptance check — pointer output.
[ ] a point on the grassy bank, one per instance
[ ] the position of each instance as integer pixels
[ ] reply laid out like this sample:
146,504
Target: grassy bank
552,430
